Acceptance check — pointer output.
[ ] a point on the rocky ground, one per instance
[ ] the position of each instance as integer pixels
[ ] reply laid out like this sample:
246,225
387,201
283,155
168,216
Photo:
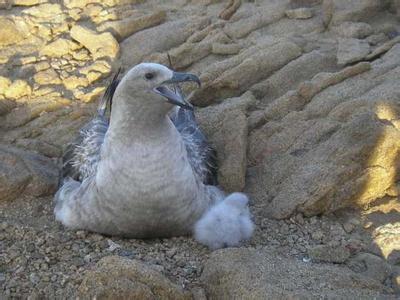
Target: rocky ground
300,99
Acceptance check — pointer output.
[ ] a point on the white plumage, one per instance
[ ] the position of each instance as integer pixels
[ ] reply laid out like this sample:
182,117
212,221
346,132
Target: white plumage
225,224
147,172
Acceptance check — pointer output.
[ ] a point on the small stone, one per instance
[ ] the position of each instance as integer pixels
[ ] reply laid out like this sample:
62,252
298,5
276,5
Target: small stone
41,66
396,281
18,89
34,278
348,227
75,13
325,253
48,76
300,13
101,66
300,219
81,234
58,48
89,96
82,54
72,82
112,246
317,235
99,45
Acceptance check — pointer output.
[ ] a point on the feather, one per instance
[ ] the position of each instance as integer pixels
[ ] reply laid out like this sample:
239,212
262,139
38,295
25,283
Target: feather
82,156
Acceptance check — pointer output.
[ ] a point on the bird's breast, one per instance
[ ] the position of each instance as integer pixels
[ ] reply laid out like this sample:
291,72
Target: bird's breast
151,185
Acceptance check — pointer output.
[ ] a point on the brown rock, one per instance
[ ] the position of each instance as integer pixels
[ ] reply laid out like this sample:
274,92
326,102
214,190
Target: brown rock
99,45
126,27
58,48
338,11
268,13
25,172
371,266
158,39
115,277
387,238
18,89
48,76
327,155
9,33
235,75
226,128
4,84
259,274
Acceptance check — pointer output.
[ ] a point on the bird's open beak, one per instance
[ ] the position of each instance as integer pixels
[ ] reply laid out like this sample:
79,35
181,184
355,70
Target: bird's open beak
175,97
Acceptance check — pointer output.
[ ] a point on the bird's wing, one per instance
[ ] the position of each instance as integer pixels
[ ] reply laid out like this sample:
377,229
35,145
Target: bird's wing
82,156
202,157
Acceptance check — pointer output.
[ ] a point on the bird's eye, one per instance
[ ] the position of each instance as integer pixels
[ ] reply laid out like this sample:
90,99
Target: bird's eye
149,75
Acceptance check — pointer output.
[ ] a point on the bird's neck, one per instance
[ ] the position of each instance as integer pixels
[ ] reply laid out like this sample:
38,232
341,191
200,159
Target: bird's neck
135,121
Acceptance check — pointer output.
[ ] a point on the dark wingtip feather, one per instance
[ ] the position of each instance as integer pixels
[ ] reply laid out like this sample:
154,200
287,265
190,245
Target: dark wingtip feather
108,94
69,170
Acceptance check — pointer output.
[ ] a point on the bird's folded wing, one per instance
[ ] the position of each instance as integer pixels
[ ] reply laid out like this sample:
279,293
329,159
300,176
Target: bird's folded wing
81,157
201,155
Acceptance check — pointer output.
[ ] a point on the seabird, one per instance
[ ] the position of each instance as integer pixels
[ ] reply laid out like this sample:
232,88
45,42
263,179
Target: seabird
147,170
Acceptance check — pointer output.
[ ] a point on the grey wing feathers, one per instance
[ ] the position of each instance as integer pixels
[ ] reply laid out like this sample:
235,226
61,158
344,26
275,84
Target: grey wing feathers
201,156
82,156
86,152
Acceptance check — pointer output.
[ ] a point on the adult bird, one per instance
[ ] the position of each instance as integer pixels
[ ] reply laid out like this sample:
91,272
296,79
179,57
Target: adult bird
147,171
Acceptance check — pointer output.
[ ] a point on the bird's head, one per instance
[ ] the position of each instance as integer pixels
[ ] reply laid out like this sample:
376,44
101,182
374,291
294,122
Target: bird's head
150,84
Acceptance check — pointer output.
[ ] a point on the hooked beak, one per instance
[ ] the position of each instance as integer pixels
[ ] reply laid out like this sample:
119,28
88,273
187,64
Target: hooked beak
175,97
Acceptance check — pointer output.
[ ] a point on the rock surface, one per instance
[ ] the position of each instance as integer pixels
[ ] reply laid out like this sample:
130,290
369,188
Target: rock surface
352,50
299,98
122,278
257,274
25,172
99,45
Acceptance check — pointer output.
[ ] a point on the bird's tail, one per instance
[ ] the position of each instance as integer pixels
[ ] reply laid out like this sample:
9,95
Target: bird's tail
226,224
108,95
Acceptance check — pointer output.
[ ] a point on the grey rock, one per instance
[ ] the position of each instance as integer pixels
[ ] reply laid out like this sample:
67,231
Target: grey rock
25,172
352,50
356,30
